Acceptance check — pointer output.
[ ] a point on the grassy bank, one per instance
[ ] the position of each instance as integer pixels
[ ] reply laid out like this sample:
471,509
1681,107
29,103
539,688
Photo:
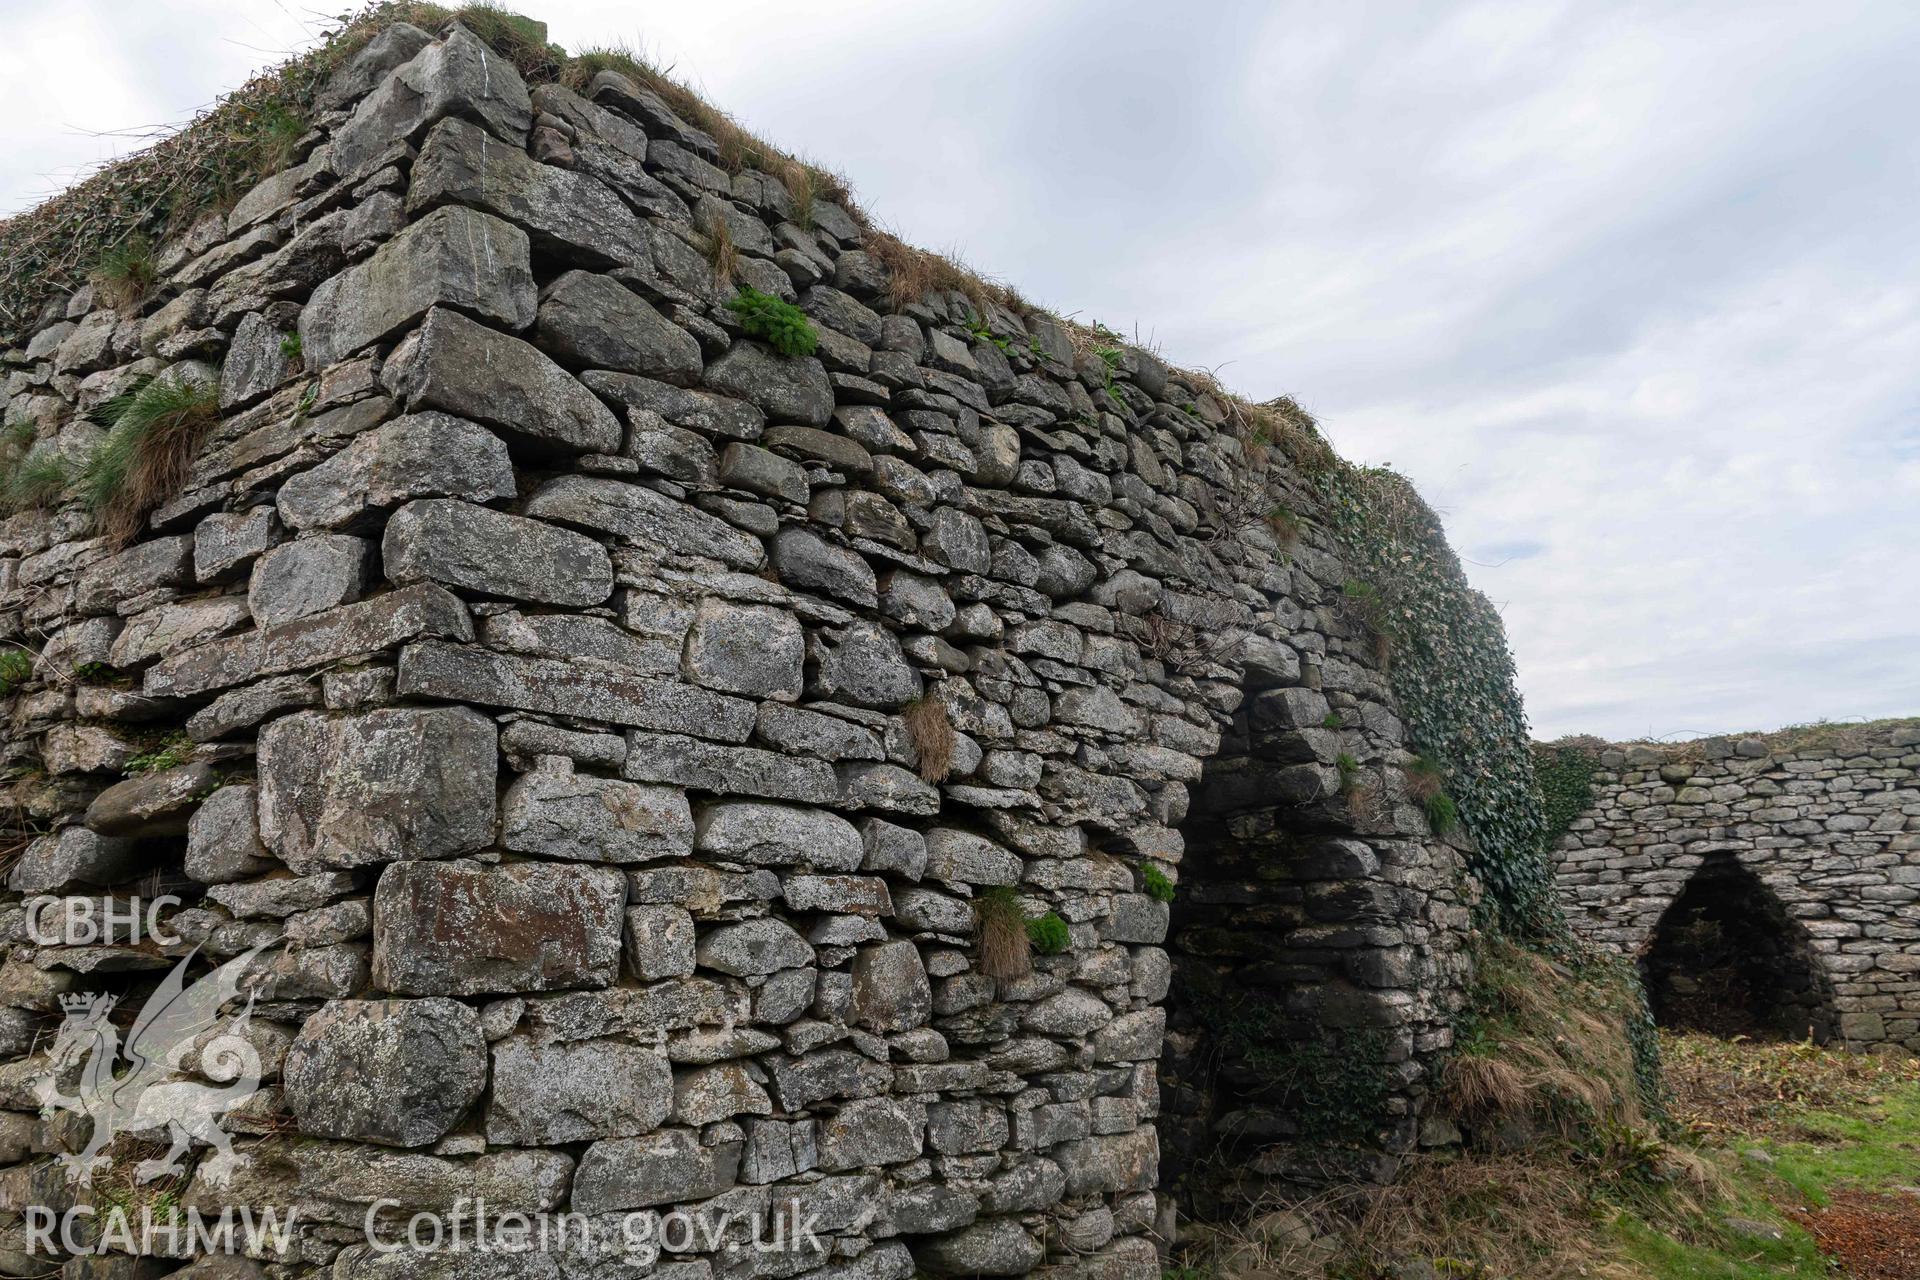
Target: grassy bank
1771,1160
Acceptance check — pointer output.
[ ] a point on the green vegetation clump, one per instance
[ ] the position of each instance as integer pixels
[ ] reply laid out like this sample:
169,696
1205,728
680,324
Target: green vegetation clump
126,271
169,753
16,668
1566,787
1158,884
27,481
783,326
153,433
1443,815
1049,934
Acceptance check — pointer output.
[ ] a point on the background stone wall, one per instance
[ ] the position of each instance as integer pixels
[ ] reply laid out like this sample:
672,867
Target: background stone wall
589,732
1828,820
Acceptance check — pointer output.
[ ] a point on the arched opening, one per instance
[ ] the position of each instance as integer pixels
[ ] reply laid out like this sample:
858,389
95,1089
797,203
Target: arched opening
1287,1051
1728,959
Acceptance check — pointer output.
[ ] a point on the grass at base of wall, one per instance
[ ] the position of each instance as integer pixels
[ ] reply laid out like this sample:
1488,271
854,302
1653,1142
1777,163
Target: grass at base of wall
1782,1162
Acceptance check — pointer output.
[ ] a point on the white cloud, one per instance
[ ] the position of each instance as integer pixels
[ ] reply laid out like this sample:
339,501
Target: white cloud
1626,288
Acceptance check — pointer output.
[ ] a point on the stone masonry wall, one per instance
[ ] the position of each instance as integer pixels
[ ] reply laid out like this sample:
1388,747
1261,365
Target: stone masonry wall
516,697
1832,828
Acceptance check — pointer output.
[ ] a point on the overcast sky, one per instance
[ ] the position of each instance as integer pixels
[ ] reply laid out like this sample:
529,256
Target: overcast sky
1629,290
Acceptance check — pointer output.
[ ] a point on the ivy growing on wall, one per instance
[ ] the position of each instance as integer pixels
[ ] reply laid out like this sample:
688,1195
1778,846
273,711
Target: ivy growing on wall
1565,775
1453,674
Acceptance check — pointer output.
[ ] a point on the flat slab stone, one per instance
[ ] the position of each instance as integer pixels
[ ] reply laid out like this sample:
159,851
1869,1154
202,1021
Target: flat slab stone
567,214
549,1093
636,514
557,813
350,631
491,553
459,673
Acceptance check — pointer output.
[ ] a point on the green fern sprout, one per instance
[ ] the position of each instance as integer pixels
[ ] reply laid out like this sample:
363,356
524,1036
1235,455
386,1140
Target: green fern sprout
1159,886
783,326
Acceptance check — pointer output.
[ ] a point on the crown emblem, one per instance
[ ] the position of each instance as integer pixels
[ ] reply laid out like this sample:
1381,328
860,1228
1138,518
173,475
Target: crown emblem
86,1002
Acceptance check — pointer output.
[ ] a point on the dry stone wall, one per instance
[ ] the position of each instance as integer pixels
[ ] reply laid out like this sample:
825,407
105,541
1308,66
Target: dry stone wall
582,735
1827,823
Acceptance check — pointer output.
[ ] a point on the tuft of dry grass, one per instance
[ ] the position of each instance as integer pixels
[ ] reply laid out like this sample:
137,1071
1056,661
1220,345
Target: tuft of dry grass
722,255
1006,952
1425,778
913,273
932,736
1546,1048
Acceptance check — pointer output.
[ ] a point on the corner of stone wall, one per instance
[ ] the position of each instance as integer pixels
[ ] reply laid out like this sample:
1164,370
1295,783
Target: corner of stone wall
509,712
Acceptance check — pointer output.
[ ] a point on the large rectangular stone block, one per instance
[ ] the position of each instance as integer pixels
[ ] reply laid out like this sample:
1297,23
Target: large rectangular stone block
452,257
392,784
458,928
472,371
566,213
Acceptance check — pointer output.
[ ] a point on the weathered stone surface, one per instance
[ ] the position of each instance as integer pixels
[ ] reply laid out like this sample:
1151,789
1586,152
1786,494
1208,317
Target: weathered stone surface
162,562
491,553
659,942
460,76
393,47
308,576
152,804
872,1131
799,1083
753,948
396,783
990,1247
353,630
748,649
806,560
470,371
639,515
708,1095
451,258
890,988
423,455
457,928
965,858
661,1168
396,1072
749,467
223,837
226,542
778,835
71,857
591,321
866,667
570,215
747,771
557,813
786,388
173,627
704,412
545,1094
340,1182
465,674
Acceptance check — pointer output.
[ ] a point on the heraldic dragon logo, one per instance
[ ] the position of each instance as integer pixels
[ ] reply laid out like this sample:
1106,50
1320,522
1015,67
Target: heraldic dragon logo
139,1087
